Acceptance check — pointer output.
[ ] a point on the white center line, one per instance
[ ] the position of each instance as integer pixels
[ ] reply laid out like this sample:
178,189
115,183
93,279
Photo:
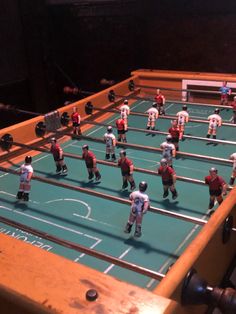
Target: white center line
120,257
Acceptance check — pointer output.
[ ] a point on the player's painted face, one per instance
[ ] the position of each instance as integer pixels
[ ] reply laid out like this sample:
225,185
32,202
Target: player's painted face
213,174
85,151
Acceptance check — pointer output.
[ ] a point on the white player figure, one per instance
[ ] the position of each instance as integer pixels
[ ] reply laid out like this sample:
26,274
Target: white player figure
182,119
139,206
233,174
124,113
215,121
26,173
153,115
110,141
168,150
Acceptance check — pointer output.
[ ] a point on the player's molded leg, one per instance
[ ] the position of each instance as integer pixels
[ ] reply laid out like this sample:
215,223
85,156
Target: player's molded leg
231,181
125,184
128,227
64,169
98,175
211,204
166,192
174,194
113,157
58,169
26,197
107,156
138,231
19,195
132,185
91,175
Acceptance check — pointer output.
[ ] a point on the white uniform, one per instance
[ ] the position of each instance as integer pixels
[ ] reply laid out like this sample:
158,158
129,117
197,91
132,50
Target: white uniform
25,169
152,114
138,198
214,121
233,157
182,117
124,111
168,149
109,139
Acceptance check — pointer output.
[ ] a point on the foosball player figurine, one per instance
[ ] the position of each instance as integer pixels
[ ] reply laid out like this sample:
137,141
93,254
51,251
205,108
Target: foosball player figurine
120,124
160,100
233,174
110,141
58,156
182,119
91,163
139,206
75,118
153,115
174,132
217,188
168,150
125,112
26,172
215,121
168,176
225,91
127,169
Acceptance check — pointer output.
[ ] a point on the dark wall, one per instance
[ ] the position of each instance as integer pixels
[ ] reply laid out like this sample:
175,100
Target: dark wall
45,47
193,35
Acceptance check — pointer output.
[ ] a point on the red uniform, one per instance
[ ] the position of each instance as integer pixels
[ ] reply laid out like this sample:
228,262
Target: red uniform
57,152
166,174
89,157
120,124
75,117
159,99
215,184
125,165
174,132
233,105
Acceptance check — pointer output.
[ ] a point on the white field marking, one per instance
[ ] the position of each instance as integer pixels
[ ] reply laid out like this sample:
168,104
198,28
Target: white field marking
99,128
73,200
151,282
48,202
95,220
91,247
10,194
49,223
168,107
120,257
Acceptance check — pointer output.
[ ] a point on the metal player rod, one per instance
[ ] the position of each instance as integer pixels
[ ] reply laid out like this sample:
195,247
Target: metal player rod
175,101
155,149
155,210
141,114
174,117
80,248
191,137
182,90
108,163
140,147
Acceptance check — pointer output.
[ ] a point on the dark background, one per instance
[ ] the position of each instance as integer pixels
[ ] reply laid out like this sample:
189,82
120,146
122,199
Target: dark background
47,44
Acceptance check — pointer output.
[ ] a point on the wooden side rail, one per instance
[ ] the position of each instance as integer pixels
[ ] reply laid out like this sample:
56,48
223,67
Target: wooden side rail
36,281
206,253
